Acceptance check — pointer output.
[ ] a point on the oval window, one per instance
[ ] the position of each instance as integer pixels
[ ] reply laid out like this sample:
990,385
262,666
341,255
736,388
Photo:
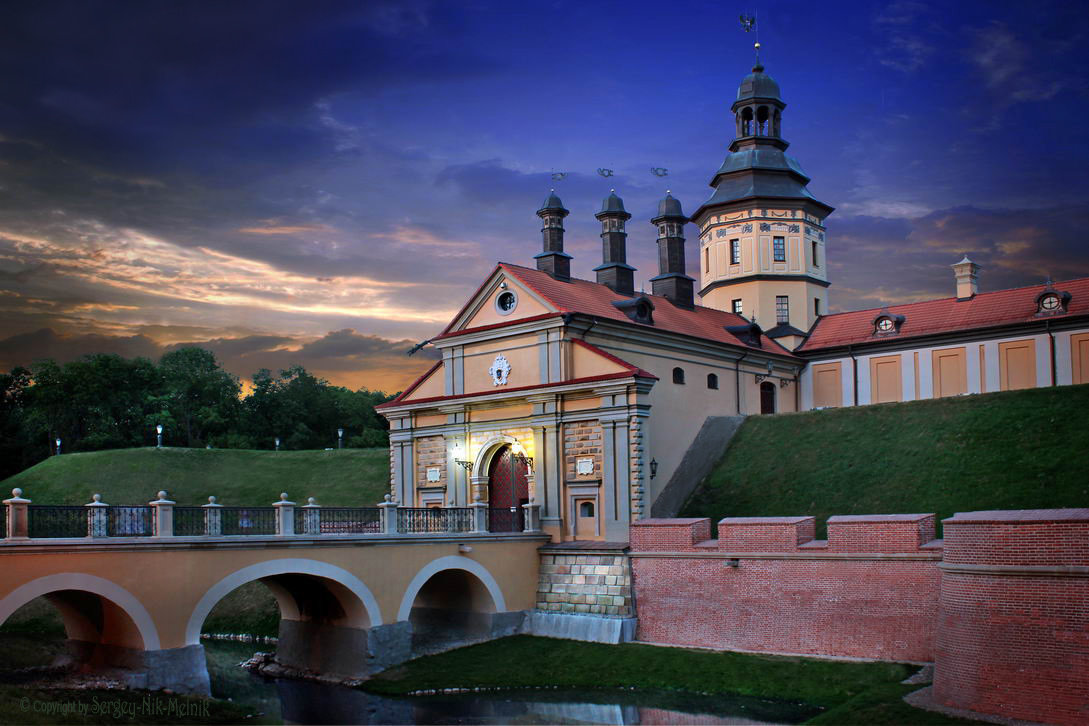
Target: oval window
506,302
1049,302
885,325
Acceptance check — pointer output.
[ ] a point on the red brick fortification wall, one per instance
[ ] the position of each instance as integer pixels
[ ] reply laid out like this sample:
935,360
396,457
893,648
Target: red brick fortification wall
869,591
1013,628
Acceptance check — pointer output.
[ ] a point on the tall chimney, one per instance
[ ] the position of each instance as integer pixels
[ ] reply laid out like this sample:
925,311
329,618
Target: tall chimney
553,260
614,270
967,274
671,283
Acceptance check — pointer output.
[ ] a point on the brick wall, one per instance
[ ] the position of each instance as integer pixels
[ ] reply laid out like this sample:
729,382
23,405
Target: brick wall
581,440
766,585
430,451
1013,628
595,584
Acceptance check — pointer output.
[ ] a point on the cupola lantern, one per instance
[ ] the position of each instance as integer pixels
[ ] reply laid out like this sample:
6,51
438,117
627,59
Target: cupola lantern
672,283
553,260
614,270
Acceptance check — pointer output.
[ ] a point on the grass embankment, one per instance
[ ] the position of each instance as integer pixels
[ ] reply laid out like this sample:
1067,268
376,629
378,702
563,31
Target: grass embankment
1011,450
850,692
346,478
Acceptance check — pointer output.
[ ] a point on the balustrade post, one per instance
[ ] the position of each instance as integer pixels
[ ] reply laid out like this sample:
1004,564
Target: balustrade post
97,519
162,517
311,517
533,517
388,515
285,516
480,517
18,521
213,518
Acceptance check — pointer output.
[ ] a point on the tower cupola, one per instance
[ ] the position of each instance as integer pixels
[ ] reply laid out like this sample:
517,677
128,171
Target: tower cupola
614,270
553,260
671,282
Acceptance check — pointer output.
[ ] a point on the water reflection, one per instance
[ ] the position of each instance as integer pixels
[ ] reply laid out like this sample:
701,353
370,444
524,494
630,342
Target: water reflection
298,702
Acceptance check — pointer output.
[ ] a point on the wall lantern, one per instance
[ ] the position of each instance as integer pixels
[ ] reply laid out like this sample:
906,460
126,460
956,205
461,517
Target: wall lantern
653,468
519,454
764,376
463,463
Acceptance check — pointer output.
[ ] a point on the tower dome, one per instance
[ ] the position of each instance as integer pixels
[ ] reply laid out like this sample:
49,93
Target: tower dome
669,207
758,85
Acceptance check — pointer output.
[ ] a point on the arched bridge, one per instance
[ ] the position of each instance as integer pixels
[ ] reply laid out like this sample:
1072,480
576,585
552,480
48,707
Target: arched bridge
358,589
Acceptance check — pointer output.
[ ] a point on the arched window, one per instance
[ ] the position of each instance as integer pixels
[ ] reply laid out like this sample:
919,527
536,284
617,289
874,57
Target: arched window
712,380
746,122
586,509
678,375
762,120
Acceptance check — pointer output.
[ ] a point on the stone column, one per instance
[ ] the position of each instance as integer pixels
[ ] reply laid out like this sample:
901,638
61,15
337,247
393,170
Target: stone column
479,488
213,518
18,521
285,516
533,511
162,518
388,515
311,517
96,517
480,517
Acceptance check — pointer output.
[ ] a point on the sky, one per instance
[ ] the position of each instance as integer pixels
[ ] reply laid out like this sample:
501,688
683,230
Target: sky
325,183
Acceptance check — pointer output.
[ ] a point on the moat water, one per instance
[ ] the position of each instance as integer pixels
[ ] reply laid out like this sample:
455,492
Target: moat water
298,702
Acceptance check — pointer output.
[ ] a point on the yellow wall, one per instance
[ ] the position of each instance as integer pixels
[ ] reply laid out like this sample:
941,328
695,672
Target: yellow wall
486,314
1017,364
759,296
431,387
520,351
950,372
886,385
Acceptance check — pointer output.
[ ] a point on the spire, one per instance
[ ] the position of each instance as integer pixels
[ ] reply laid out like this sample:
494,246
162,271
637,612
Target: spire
614,270
672,283
553,260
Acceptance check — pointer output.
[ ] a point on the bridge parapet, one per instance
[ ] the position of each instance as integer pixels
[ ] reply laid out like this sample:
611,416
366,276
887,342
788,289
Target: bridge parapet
162,518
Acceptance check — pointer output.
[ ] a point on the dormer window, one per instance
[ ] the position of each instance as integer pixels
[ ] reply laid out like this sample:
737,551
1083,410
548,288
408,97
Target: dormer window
887,324
1052,302
639,309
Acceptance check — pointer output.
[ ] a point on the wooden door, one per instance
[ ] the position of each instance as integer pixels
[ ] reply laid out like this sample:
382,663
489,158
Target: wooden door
507,488
585,519
767,397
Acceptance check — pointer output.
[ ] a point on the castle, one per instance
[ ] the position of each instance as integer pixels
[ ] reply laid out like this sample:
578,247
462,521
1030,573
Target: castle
582,399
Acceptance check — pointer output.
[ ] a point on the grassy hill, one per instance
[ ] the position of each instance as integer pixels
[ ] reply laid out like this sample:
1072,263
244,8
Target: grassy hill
349,477
1011,450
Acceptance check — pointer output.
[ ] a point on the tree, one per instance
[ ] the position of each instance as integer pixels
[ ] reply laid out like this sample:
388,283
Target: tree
201,396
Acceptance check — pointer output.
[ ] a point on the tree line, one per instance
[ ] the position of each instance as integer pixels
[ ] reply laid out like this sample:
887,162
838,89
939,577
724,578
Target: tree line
104,401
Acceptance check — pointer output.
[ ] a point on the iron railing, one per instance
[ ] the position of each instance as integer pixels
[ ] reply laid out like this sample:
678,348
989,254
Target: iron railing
4,524
128,521
350,520
248,520
46,520
412,520
506,519
189,521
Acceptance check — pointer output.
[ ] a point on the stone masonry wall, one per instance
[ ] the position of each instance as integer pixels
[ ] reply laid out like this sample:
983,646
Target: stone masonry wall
595,584
581,440
430,451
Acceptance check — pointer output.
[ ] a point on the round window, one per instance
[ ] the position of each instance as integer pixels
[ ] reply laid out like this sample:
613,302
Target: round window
884,325
1049,302
506,302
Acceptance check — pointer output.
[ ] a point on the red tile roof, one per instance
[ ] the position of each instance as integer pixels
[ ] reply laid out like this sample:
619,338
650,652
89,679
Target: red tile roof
592,298
947,315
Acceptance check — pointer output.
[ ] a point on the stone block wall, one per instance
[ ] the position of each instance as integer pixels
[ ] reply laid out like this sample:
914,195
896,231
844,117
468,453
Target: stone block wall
581,440
430,452
1013,624
585,584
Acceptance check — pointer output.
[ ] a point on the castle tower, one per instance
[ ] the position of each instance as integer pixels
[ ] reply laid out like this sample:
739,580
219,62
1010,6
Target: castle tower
762,235
553,259
671,281
614,270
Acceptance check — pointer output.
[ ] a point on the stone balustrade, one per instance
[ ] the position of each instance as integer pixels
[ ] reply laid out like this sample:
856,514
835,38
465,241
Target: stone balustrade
163,517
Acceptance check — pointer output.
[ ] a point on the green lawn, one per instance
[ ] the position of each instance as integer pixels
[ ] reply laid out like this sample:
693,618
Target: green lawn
1012,450
350,477
850,692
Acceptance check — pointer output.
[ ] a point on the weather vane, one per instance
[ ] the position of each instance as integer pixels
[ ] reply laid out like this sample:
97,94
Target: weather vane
558,175
659,171
605,172
748,24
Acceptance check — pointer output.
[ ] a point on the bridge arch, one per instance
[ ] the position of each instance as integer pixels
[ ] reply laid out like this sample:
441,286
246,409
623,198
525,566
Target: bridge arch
358,606
451,562
73,612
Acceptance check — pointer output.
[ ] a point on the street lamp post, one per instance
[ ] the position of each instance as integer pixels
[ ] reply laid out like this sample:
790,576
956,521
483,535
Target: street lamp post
277,443
158,436
340,438
58,446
